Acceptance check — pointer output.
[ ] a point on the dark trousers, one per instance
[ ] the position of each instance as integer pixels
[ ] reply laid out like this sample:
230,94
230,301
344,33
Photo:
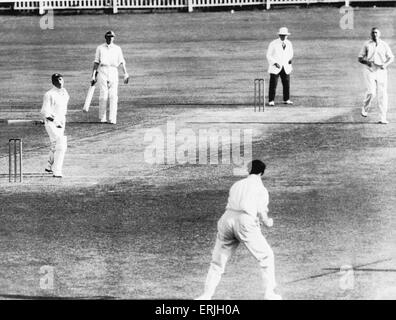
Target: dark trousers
285,83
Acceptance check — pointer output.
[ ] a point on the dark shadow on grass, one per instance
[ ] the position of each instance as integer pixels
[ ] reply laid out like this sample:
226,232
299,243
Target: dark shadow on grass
26,297
284,122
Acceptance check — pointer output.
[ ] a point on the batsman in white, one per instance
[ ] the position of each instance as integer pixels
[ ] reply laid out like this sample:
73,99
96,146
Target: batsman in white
247,206
377,56
54,111
108,58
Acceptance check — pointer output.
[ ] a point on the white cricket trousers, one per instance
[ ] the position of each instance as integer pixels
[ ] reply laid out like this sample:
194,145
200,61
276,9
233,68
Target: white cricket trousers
236,227
108,85
376,81
58,146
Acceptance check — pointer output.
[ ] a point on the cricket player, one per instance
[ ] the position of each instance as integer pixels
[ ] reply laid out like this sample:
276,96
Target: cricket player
247,206
376,55
279,57
54,111
108,58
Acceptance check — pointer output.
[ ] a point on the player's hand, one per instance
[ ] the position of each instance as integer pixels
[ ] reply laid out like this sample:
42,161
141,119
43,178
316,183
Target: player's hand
370,64
269,223
93,81
277,65
290,62
126,78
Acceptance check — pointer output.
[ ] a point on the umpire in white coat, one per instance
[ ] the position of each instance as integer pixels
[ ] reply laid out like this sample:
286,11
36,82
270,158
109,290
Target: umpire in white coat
279,56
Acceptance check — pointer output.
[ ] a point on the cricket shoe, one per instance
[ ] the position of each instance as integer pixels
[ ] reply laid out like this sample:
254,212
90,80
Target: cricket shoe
383,121
48,170
57,176
204,297
364,113
272,296
271,103
288,102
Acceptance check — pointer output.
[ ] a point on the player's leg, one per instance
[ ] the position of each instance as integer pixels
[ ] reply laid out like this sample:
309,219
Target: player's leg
382,83
113,97
60,151
369,80
221,253
103,96
250,235
225,246
272,88
285,78
51,131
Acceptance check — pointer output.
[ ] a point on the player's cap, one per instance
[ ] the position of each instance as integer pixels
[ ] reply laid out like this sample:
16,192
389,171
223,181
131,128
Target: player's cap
55,77
110,33
284,31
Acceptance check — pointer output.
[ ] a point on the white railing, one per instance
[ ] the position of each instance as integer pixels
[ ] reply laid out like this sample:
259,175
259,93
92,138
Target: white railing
136,4
62,4
155,4
99,4
219,3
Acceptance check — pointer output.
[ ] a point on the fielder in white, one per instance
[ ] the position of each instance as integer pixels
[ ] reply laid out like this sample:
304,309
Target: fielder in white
54,111
247,205
377,56
108,58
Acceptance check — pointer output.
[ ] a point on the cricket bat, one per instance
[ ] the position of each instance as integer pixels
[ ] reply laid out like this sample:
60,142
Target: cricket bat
88,99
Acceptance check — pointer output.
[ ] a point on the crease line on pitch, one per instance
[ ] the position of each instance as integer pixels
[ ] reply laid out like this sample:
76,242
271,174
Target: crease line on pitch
336,270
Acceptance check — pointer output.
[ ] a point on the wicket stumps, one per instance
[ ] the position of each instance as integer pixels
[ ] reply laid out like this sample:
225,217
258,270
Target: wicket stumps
259,94
15,159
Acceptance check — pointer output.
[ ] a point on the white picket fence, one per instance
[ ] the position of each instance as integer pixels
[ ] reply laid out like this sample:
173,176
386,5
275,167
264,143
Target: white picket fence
130,4
44,5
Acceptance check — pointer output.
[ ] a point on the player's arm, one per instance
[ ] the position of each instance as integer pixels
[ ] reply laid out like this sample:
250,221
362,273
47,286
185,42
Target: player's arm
122,63
262,206
362,58
124,70
390,57
95,66
291,52
271,60
46,110
94,73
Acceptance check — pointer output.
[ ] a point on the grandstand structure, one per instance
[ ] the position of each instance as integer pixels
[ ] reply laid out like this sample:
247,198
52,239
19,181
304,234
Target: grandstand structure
114,5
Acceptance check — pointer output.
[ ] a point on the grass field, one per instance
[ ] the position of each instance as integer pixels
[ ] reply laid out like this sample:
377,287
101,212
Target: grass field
117,226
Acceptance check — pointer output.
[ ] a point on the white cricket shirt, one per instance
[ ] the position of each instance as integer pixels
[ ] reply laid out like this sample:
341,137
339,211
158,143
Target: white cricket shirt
377,53
109,55
55,104
249,195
